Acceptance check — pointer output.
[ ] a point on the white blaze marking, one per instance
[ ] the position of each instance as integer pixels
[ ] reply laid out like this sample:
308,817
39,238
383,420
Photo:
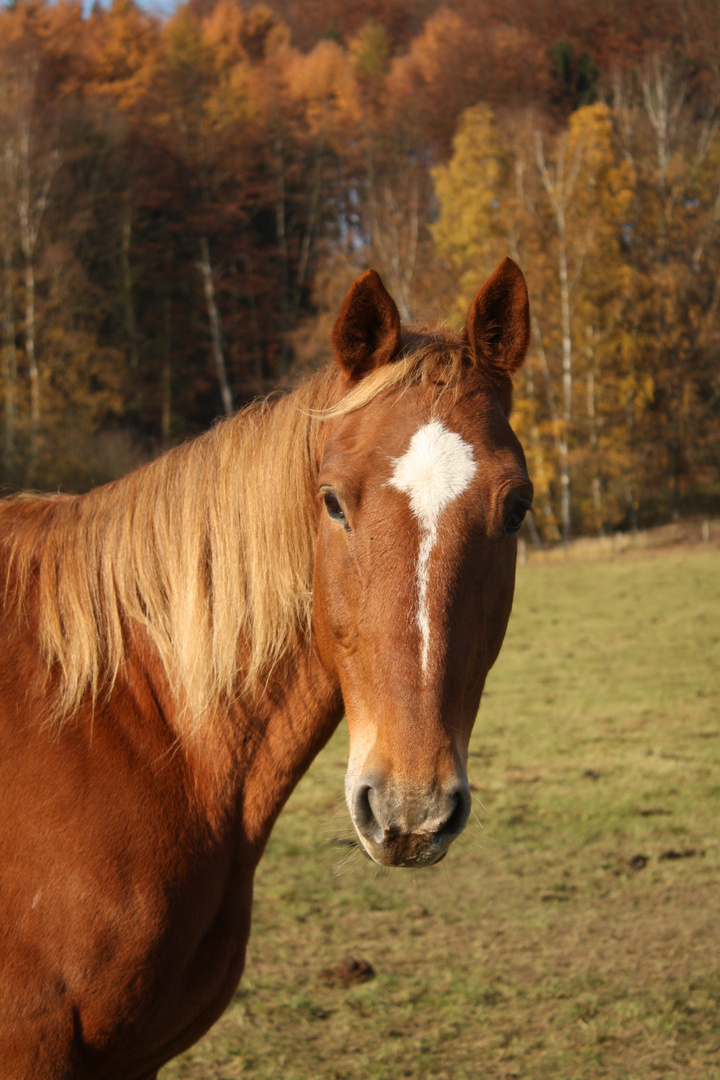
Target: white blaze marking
436,468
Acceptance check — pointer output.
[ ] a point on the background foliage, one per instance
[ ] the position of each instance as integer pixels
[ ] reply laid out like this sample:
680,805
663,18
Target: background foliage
183,203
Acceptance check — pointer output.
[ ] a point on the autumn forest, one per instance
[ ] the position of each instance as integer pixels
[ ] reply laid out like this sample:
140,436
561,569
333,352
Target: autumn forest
184,201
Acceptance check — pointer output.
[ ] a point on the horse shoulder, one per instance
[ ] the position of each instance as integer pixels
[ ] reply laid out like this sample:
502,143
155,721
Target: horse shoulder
124,907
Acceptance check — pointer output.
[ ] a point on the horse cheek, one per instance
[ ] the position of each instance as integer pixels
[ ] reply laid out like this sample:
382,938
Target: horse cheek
501,591
334,600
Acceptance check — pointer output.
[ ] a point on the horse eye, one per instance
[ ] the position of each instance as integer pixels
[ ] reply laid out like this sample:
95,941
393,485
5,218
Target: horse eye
515,517
333,507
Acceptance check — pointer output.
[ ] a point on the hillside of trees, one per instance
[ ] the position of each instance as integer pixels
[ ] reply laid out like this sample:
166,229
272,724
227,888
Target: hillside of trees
183,203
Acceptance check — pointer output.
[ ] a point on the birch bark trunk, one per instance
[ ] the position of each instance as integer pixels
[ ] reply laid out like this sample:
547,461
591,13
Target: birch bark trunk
206,271
593,436
31,209
559,188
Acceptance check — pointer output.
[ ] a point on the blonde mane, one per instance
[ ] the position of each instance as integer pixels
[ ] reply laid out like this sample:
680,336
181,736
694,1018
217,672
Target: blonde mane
210,548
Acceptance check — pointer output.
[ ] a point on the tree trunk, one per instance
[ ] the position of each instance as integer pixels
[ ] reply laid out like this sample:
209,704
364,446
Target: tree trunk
567,380
631,506
30,213
33,373
166,414
395,229
9,364
282,241
559,189
591,405
560,444
258,366
539,468
127,285
215,328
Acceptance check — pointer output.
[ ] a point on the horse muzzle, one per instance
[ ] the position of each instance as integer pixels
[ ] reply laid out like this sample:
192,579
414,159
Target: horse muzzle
401,826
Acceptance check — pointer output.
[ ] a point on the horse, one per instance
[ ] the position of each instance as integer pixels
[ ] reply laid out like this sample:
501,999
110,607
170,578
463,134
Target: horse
179,644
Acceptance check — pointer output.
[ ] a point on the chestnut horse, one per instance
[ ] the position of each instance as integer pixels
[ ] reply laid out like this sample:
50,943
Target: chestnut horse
178,646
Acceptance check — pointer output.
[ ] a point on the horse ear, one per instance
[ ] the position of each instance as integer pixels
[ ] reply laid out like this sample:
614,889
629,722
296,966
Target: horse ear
498,325
366,334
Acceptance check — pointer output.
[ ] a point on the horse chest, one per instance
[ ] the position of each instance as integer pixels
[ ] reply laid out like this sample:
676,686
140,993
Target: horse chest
124,916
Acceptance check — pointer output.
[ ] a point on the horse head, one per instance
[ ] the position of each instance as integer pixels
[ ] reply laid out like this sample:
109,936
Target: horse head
422,489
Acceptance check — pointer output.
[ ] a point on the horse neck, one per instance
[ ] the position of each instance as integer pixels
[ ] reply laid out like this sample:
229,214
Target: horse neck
261,734
244,764
235,772
280,737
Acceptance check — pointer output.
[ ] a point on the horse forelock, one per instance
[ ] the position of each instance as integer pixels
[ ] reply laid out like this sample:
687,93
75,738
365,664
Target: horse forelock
434,355
209,549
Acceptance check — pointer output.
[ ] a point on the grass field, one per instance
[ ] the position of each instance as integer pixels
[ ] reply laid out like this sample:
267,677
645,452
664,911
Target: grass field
574,930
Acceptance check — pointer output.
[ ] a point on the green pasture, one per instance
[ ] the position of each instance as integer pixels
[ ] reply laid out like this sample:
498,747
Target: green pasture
574,930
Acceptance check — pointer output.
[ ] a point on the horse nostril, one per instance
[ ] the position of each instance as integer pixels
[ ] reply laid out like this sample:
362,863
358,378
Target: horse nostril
362,811
457,819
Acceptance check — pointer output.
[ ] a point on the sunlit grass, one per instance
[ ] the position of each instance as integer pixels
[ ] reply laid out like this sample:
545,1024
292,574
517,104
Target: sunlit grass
572,932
